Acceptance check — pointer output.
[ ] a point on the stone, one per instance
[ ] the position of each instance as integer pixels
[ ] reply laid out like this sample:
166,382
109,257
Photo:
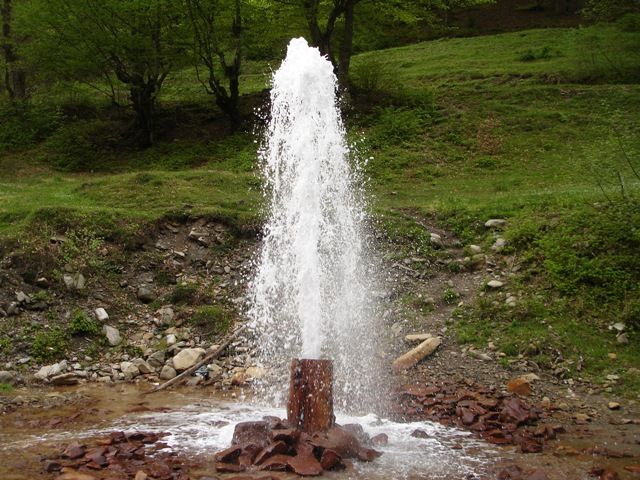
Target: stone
256,433
140,475
165,315
495,284
475,249
622,339
13,308
167,373
619,326
156,359
436,240
42,282
255,372
22,297
214,370
143,367
75,281
499,244
129,370
187,358
101,314
521,385
8,378
48,371
171,339
112,334
65,379
613,406
146,294
417,337
495,223
75,476
545,403
612,356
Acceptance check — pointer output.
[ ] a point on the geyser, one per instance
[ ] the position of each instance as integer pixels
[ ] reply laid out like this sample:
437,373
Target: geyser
311,295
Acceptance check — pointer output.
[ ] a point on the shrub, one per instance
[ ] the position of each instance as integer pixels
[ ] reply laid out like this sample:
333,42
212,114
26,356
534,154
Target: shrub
83,324
49,344
25,124
213,317
629,22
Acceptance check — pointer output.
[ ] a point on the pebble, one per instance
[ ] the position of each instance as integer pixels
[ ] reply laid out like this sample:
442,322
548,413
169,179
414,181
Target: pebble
495,284
495,223
101,314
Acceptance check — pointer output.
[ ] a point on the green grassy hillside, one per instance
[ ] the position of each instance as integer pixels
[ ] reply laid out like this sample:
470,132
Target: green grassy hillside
539,127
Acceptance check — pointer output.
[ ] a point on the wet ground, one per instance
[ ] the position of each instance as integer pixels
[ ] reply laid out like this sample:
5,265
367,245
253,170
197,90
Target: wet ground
201,423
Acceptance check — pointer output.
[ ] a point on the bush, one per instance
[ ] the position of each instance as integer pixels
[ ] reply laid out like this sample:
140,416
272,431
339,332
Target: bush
50,344
213,317
82,324
629,22
25,124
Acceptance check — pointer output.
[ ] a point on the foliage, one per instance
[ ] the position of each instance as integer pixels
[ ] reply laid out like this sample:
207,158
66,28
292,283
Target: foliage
25,124
5,388
49,344
214,318
83,324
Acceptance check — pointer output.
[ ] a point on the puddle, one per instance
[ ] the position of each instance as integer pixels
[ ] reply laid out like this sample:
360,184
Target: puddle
201,426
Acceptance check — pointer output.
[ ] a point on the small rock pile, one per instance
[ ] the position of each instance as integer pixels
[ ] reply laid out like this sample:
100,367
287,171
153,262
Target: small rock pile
139,455
499,419
272,446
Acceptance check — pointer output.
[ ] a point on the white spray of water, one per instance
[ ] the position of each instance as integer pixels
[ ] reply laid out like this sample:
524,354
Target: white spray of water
311,293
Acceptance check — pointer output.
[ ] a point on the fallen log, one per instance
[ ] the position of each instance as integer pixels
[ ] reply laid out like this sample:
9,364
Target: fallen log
416,354
183,376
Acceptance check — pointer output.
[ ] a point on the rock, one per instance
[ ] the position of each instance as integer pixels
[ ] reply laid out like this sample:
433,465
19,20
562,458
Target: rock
436,240
545,403
48,371
495,284
129,370
171,339
42,282
613,406
521,385
166,315
75,476
255,372
495,223
499,244
619,326
475,249
214,370
140,475
146,294
413,356
101,314
75,281
612,356
581,418
187,358
142,366
256,433
167,373
112,334
13,308
22,297
8,378
65,379
511,301
622,339
417,337
156,359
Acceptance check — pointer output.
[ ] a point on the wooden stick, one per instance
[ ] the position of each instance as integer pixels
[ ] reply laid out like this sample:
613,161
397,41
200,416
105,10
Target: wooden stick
179,378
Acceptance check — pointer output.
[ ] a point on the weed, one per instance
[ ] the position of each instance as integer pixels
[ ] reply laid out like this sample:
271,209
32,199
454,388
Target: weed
184,293
49,344
212,317
5,388
449,296
83,324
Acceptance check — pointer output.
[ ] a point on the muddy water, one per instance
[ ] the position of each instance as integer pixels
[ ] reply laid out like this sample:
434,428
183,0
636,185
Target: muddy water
202,423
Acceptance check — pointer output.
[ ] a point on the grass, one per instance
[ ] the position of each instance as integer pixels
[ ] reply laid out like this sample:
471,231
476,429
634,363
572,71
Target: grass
533,126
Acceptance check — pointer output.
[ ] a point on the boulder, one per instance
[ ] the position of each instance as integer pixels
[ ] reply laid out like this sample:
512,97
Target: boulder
143,367
166,315
7,377
167,373
495,223
65,379
156,359
101,314
146,294
48,371
187,358
112,334
129,370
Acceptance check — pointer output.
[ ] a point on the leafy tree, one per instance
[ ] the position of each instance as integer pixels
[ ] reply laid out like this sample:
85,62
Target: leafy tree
14,74
136,42
605,10
217,38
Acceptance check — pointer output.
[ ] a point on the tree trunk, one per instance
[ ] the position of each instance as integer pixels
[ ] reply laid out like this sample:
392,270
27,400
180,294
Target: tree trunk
310,406
14,75
143,99
346,47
